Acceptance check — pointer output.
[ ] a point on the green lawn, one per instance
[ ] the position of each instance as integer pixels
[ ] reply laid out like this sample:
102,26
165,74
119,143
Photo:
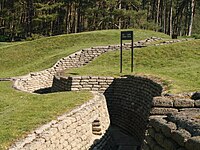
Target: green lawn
2,44
178,63
19,59
20,112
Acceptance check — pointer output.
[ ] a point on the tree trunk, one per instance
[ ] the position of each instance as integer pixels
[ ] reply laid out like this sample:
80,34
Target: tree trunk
170,20
164,17
79,17
157,15
191,17
120,20
29,17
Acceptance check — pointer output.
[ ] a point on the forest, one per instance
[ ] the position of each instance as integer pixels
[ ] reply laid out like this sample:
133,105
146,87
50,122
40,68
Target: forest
30,19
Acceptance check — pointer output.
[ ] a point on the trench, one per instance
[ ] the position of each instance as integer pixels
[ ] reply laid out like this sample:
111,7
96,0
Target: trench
43,91
129,102
122,110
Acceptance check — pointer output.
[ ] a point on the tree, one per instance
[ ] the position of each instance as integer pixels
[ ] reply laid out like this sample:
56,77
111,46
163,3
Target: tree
191,17
24,18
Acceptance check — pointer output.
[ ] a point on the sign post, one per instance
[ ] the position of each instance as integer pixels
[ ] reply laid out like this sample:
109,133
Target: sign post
126,35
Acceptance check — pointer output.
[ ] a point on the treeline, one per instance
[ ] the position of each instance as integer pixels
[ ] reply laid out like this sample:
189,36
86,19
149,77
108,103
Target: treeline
22,19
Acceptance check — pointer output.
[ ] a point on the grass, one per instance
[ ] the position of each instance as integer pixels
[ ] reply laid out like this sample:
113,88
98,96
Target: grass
178,63
24,57
20,112
3,44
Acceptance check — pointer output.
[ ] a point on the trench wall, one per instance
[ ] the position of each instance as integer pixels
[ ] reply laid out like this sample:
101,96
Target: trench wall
134,101
134,104
160,105
174,124
129,102
78,83
76,130
126,97
174,132
43,79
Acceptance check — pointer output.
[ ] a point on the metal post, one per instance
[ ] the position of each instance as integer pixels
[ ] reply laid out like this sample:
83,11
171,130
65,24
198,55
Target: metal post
126,35
132,55
121,56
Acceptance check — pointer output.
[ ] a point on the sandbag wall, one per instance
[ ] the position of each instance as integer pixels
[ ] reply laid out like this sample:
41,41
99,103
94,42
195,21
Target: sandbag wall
174,124
129,99
44,79
173,132
163,105
41,80
78,83
71,131
129,102
35,81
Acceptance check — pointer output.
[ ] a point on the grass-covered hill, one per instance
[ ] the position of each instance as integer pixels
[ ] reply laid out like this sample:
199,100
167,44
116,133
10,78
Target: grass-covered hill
22,112
178,63
24,57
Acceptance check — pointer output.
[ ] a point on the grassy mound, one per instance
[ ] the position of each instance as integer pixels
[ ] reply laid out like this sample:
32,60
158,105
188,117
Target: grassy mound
178,63
22,112
19,59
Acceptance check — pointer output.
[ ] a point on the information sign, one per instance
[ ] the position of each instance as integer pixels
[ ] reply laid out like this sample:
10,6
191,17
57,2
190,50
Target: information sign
126,35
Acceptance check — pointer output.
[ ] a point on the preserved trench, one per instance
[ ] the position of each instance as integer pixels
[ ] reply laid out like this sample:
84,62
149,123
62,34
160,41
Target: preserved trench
126,113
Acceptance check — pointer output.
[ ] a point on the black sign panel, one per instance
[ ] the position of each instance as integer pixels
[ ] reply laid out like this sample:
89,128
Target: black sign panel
127,35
